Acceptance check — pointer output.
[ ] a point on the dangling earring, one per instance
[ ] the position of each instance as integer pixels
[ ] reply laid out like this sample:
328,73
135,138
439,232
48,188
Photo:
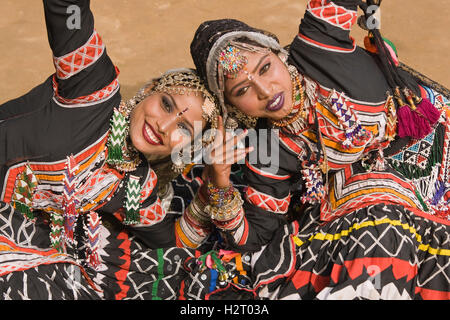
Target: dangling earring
178,165
122,154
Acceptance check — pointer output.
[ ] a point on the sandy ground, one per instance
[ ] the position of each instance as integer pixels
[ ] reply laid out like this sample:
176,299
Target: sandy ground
147,37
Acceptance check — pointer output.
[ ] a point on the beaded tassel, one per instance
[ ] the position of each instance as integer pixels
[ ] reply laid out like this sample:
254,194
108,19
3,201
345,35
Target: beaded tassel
69,199
124,158
92,229
391,121
132,203
24,189
117,137
57,232
315,191
355,134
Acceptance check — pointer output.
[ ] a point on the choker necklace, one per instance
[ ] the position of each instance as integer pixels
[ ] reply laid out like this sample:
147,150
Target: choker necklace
296,120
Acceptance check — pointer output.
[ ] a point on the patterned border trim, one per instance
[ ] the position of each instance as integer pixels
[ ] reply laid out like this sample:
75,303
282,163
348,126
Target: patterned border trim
323,46
91,99
267,202
333,14
266,174
74,62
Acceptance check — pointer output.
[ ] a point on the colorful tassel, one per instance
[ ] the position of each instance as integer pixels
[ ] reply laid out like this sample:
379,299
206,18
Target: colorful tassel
69,199
315,191
92,229
211,260
423,127
415,122
430,112
391,121
25,186
440,191
355,134
406,126
117,137
120,155
57,232
132,203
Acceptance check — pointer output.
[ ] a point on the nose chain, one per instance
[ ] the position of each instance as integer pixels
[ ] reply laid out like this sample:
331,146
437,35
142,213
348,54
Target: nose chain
179,114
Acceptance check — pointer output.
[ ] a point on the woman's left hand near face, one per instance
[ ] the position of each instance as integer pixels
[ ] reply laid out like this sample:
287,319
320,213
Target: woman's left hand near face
223,153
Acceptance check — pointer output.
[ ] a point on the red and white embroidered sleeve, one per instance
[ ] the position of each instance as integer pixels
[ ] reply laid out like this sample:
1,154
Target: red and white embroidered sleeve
267,202
77,48
74,62
330,12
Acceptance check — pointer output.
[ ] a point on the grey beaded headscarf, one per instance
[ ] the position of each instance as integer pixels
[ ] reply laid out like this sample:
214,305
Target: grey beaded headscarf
212,37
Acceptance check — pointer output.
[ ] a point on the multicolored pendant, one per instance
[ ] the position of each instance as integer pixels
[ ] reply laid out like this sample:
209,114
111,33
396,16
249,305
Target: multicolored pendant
232,61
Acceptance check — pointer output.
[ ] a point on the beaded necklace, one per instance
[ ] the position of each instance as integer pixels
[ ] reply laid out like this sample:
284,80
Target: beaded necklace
296,120
295,123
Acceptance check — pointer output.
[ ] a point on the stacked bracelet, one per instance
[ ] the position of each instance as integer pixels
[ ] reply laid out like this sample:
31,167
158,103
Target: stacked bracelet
225,207
231,224
196,212
220,196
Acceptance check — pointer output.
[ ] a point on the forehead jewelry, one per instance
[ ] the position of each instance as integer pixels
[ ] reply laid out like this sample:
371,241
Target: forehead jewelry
232,61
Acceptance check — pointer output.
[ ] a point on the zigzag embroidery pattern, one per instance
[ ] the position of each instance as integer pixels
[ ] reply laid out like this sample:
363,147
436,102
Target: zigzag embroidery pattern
132,203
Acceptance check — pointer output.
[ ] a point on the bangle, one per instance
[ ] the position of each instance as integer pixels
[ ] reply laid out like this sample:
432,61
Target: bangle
230,224
224,216
220,196
196,212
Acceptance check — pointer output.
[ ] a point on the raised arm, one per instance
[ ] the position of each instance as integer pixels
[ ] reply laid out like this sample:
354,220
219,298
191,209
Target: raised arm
84,72
324,51
327,24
